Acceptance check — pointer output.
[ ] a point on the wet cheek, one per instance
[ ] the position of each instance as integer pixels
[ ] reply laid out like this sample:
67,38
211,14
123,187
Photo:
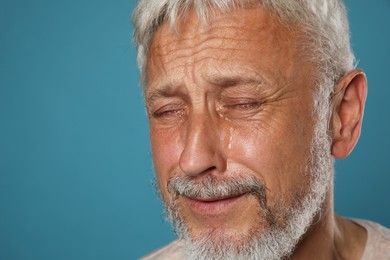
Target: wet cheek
249,148
271,157
254,150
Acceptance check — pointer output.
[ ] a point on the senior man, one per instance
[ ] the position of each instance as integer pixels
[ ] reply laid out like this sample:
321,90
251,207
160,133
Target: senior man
248,104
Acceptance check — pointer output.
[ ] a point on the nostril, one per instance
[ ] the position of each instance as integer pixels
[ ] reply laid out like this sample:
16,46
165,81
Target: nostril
211,169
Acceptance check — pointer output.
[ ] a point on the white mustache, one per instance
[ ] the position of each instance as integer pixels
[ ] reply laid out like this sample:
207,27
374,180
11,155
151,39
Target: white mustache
209,186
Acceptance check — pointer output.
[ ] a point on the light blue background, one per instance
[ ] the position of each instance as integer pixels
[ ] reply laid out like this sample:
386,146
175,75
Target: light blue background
75,168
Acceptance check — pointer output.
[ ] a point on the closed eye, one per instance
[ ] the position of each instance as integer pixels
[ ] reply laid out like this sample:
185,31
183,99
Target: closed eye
169,111
166,113
240,108
244,106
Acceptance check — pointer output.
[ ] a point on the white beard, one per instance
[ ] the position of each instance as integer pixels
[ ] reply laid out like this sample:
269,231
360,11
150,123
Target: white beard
277,241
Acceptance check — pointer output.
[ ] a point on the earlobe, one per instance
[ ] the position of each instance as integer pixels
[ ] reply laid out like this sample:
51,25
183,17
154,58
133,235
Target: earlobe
348,103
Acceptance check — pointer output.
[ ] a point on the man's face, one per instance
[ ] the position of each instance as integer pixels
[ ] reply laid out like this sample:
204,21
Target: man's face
230,101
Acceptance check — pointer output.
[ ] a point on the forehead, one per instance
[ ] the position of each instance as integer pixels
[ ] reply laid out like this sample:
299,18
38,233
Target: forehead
246,40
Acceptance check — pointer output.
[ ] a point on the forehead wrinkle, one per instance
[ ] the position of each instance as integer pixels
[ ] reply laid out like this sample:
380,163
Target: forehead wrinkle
215,47
174,43
175,64
181,59
188,48
233,76
170,46
165,40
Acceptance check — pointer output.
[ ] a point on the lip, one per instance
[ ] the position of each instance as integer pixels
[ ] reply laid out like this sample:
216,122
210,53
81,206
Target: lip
213,206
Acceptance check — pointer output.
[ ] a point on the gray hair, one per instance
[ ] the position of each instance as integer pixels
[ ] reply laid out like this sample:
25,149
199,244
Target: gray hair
323,24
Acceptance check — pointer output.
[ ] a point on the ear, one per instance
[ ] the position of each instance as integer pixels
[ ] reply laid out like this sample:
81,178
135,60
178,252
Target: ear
348,109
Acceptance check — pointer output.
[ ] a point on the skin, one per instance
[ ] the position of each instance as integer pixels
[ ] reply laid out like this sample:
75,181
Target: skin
235,97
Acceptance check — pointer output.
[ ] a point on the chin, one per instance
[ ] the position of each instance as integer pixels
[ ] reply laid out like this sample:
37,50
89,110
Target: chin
216,243
226,236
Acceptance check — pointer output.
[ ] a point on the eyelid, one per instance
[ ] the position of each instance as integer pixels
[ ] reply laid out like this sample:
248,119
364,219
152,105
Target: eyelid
237,108
248,102
239,100
244,105
168,108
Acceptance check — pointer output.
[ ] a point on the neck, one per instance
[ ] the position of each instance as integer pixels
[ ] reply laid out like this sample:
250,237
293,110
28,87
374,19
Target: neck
331,237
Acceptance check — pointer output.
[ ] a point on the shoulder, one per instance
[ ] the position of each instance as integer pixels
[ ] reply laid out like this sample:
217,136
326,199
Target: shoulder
378,240
171,251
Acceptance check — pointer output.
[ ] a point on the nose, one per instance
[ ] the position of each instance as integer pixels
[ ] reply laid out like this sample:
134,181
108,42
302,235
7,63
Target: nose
203,151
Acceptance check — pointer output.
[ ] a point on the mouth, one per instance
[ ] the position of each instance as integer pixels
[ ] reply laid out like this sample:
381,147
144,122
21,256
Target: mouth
213,205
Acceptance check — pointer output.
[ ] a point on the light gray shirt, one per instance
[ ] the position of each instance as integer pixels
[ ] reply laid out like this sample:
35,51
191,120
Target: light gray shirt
378,241
377,245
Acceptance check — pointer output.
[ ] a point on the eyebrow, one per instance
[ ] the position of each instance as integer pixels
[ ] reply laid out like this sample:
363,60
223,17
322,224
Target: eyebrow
166,90
230,81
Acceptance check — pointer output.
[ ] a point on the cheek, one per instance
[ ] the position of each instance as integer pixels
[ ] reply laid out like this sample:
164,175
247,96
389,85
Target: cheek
276,156
166,150
257,152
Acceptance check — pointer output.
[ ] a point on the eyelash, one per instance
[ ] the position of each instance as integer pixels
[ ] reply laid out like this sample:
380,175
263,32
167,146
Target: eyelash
159,114
168,110
244,106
